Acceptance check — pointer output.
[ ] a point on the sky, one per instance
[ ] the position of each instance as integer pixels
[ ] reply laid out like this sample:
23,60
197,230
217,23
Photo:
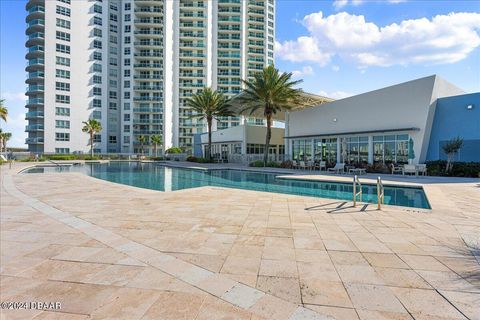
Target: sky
339,48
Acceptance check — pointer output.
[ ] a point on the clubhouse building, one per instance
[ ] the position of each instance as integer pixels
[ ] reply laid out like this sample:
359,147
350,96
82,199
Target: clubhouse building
371,127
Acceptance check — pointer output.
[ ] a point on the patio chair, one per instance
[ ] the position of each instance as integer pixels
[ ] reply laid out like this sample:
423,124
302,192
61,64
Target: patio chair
321,165
396,169
302,165
409,168
422,169
310,165
339,168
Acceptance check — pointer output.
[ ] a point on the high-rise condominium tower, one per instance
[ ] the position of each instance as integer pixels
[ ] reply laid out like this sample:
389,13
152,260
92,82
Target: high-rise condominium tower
132,64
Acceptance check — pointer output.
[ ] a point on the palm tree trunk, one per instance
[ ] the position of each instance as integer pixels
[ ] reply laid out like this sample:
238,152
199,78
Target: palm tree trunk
209,124
267,139
91,145
155,150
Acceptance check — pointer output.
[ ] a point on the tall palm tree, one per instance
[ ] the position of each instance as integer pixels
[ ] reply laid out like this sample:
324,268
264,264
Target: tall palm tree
209,104
92,127
156,140
3,110
270,91
4,137
142,139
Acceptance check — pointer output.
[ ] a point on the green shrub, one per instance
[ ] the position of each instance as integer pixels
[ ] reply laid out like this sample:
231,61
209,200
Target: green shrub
273,164
286,164
157,158
204,160
191,159
60,157
459,169
257,164
173,150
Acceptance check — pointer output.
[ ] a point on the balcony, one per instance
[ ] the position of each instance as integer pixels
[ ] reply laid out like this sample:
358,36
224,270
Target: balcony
35,39
147,77
147,110
147,43
154,99
145,33
34,115
191,85
35,76
148,65
229,19
35,25
191,35
192,75
192,25
229,1
149,54
147,88
35,12
144,132
192,55
229,55
35,52
192,65
192,15
148,21
34,89
148,10
39,140
34,127
147,121
35,64
34,102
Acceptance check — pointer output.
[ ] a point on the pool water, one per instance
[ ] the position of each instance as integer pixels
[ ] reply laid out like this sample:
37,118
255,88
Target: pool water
162,178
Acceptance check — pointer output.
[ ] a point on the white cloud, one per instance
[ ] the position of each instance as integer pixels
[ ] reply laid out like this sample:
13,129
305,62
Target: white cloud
335,68
442,39
339,4
306,71
14,97
335,94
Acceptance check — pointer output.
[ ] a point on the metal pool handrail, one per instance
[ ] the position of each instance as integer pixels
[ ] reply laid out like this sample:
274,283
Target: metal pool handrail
380,193
355,193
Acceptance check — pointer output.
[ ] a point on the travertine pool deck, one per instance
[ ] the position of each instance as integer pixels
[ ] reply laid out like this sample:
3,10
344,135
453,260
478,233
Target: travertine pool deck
107,250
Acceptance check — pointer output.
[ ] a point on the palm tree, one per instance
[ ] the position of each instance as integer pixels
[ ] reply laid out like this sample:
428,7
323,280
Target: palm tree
92,127
156,140
271,92
142,139
209,104
4,137
3,110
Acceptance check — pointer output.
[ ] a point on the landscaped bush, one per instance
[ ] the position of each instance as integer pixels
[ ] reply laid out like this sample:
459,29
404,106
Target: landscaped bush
173,150
198,160
286,164
157,158
259,164
60,157
459,169
378,167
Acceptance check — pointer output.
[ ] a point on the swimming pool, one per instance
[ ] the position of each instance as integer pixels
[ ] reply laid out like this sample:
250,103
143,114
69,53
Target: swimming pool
162,178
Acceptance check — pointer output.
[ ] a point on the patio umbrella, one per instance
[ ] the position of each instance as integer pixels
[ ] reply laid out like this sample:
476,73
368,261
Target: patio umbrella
411,153
344,150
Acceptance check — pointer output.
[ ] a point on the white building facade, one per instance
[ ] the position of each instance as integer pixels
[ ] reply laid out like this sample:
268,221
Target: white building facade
132,64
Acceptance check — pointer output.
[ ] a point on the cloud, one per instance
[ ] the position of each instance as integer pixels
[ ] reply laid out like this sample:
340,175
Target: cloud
442,39
335,94
306,71
14,97
339,4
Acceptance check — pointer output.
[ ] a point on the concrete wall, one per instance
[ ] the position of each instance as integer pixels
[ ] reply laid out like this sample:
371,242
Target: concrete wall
256,134
453,119
406,105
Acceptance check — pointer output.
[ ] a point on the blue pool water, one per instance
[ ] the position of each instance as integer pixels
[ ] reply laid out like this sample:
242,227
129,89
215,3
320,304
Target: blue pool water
157,177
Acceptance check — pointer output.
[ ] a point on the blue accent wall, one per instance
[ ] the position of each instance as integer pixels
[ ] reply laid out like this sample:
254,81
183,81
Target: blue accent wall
453,119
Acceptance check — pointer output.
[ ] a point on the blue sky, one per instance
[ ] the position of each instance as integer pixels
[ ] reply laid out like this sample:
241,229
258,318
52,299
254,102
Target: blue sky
339,48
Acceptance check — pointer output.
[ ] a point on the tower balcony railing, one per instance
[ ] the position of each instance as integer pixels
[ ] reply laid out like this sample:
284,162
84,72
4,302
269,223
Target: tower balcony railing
192,85
35,24
35,101
147,88
192,15
192,25
148,65
148,32
147,98
192,65
148,110
39,140
34,115
192,74
192,55
192,45
35,12
149,54
148,10
35,127
148,76
37,75
35,88
147,121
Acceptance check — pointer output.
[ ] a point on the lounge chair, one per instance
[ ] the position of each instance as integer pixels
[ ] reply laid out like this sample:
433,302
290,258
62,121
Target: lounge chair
396,169
321,165
339,168
409,168
422,169
302,165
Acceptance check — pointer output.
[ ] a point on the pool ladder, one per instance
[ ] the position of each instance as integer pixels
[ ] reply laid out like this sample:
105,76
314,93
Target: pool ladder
380,193
356,182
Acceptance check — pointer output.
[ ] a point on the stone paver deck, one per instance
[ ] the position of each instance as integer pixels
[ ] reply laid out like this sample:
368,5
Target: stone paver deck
112,251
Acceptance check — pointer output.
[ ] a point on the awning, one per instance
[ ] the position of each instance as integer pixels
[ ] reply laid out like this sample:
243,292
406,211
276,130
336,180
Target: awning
349,133
308,100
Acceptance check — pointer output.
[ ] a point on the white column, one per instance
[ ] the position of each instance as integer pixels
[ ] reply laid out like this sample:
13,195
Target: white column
339,149
287,134
170,117
370,149
245,137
